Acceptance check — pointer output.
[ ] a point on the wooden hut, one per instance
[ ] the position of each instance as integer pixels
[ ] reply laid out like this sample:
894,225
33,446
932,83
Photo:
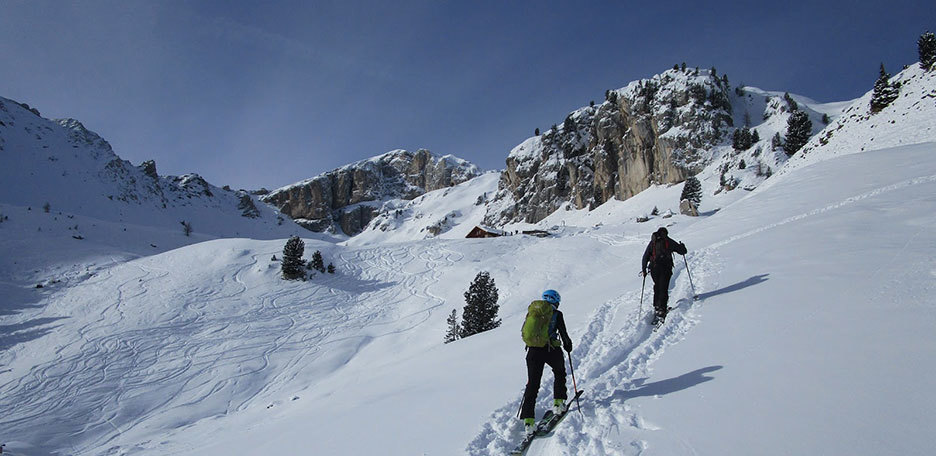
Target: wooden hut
484,232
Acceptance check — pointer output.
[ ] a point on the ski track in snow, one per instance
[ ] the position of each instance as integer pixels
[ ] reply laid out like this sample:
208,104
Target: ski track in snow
615,354
617,347
223,350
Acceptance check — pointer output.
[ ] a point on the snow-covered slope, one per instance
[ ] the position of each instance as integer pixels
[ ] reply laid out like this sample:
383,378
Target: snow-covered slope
70,205
811,336
908,120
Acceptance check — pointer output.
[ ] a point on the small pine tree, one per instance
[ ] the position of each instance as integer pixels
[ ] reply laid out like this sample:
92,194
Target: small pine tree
292,259
451,334
318,263
683,66
692,191
775,142
186,228
884,92
927,47
799,129
480,312
536,132
790,102
330,268
825,119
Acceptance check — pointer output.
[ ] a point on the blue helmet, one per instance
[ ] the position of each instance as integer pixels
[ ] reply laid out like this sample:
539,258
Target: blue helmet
551,296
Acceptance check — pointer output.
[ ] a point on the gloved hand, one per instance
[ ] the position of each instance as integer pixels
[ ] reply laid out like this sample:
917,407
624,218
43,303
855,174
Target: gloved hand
567,347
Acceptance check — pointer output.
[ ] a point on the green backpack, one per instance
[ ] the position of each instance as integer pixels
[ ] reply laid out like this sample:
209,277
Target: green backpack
535,330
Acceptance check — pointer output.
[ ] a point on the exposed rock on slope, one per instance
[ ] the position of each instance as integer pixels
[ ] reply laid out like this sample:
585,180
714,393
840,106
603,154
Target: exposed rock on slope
349,197
656,130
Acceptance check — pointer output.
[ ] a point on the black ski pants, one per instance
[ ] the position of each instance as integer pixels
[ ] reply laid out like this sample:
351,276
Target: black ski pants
536,359
661,279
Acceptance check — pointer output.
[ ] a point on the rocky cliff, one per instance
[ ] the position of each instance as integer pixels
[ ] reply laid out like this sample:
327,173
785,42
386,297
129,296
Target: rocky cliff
349,197
657,130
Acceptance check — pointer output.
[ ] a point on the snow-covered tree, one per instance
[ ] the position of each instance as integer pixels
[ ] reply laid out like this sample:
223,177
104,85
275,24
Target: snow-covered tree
187,228
292,259
927,47
884,92
480,312
799,129
743,139
692,191
451,334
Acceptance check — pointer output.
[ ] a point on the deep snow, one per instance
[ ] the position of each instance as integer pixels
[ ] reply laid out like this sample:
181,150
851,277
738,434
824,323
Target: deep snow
813,334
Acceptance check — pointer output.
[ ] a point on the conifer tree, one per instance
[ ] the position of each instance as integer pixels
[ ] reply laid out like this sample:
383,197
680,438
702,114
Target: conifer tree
692,191
318,263
775,142
790,102
292,258
927,47
451,334
799,129
884,92
480,312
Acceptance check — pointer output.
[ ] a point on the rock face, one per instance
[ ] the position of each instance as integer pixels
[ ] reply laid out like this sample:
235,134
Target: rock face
656,130
349,197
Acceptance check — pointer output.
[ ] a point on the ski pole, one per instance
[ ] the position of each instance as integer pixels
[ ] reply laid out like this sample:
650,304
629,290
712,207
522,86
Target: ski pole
575,387
694,295
642,285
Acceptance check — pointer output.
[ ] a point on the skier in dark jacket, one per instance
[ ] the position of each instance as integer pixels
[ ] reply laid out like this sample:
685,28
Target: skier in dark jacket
659,258
551,354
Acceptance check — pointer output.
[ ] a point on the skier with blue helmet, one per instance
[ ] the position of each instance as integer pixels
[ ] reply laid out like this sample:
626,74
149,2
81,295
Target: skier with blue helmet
544,332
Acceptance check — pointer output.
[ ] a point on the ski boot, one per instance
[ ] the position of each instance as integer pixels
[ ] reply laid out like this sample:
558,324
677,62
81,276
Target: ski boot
559,406
529,426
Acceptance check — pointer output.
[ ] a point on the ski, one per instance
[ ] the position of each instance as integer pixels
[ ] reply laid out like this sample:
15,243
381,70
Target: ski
544,426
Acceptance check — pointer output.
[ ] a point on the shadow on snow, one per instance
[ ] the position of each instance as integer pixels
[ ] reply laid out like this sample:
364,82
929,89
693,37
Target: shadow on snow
738,286
11,335
663,387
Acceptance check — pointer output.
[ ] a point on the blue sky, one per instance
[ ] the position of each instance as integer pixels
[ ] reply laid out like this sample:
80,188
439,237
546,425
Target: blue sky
253,94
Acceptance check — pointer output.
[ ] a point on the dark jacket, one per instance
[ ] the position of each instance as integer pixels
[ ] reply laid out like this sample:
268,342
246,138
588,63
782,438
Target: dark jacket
664,258
559,331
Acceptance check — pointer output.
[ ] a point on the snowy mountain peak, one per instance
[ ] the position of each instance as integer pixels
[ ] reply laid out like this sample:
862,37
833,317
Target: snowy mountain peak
659,130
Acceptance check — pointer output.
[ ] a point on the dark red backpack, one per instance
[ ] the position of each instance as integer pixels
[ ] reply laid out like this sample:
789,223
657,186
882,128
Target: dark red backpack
660,249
